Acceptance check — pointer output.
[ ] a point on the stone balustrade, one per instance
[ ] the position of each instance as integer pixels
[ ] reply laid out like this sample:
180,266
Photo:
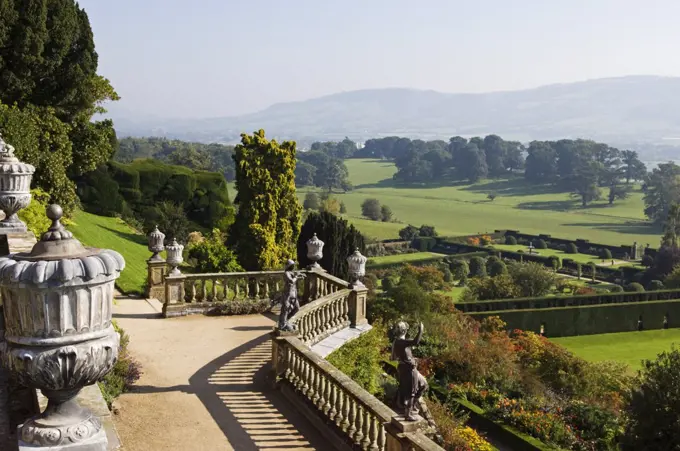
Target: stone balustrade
197,293
323,317
353,414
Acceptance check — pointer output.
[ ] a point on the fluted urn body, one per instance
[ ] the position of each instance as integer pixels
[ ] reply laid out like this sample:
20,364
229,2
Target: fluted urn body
175,257
156,244
357,267
15,188
315,251
59,337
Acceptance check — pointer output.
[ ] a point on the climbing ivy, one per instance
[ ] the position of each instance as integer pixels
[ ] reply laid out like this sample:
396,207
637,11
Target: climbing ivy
268,221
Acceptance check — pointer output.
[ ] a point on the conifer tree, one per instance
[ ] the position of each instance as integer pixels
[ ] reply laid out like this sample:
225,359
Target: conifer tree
267,225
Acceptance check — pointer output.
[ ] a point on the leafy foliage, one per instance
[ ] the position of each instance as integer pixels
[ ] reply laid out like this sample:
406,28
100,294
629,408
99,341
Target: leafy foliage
125,372
267,225
361,359
34,215
370,208
211,255
654,407
477,267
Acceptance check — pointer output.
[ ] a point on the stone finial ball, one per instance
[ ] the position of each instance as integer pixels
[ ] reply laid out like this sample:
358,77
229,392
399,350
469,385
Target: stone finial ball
54,212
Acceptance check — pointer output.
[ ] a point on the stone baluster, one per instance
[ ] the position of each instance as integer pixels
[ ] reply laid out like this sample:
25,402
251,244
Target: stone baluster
213,296
333,401
368,420
382,439
246,288
327,405
351,418
193,291
359,436
306,386
345,402
237,290
204,290
256,286
266,287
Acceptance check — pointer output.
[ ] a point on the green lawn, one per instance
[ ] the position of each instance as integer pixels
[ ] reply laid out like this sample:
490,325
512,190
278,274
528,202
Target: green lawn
627,347
581,258
461,209
405,258
113,233
454,292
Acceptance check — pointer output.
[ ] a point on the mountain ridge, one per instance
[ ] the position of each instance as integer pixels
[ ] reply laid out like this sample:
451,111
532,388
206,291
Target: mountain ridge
632,108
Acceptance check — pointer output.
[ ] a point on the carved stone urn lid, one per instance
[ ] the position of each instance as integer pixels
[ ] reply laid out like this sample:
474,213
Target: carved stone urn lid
11,164
58,256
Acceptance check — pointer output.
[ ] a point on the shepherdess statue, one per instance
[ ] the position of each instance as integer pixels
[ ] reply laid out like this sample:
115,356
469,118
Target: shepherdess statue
412,384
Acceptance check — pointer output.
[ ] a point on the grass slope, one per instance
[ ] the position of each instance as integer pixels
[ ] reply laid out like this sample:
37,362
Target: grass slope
460,209
112,233
627,347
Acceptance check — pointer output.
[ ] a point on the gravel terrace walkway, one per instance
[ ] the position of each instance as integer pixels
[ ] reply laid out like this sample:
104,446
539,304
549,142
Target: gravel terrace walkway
204,385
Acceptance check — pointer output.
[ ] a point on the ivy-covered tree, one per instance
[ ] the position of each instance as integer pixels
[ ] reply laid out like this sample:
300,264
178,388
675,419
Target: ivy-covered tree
268,221
340,240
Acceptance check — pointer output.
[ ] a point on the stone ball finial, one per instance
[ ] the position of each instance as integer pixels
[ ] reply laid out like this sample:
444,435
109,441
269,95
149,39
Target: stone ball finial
55,212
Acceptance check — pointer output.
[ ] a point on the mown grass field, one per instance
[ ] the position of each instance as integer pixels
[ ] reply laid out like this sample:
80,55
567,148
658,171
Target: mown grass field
113,233
402,258
580,258
627,347
460,209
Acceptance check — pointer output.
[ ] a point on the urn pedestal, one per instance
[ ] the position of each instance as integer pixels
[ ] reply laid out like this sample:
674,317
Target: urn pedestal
59,337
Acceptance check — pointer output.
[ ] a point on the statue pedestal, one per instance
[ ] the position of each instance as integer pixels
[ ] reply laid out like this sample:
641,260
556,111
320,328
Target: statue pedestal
11,243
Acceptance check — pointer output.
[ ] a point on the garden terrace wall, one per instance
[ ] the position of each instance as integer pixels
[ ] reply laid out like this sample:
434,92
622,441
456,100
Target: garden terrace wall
546,302
590,319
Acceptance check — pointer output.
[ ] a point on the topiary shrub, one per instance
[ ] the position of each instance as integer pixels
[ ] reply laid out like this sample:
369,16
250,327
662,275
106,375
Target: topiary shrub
448,275
647,261
655,285
387,283
571,248
240,307
541,244
635,287
496,268
605,254
511,240
477,267
616,289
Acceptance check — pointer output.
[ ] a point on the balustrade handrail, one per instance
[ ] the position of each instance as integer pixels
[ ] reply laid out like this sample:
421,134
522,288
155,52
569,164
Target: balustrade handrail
213,275
332,278
421,442
367,400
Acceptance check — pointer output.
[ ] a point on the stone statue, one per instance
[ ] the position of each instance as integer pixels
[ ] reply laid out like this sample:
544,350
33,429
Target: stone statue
412,384
289,300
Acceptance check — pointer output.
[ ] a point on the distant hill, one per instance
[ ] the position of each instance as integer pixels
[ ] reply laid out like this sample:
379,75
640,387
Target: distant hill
614,110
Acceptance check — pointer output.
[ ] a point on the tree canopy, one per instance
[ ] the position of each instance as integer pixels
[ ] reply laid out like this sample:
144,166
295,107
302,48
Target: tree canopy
50,86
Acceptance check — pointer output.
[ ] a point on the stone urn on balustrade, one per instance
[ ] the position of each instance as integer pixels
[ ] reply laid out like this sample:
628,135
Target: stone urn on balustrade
314,251
15,189
59,337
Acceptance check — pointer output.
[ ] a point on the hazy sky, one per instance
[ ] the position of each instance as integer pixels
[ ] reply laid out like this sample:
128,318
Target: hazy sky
202,58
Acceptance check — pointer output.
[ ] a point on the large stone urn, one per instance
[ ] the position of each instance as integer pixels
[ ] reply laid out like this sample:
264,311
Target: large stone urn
59,337
175,259
156,246
15,189
315,251
357,268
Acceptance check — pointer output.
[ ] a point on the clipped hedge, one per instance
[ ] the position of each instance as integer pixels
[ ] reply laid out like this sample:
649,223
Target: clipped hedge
547,302
590,319
393,265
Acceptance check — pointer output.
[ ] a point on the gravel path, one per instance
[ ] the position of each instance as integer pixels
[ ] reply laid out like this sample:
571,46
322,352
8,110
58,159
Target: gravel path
204,386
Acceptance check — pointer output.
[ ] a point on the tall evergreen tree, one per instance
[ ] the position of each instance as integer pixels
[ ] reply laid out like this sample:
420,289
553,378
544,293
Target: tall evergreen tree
339,237
268,221
48,65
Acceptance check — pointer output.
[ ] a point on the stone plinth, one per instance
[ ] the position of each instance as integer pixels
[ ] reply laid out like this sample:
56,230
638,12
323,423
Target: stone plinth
11,243
155,279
